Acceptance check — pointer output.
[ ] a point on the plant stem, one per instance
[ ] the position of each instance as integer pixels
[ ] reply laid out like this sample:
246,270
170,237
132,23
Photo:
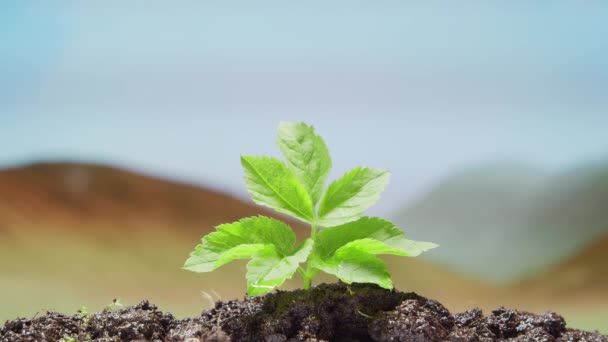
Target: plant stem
307,283
308,274
313,230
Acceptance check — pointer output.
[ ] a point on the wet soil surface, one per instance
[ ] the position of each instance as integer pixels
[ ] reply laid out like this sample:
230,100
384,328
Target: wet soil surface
335,312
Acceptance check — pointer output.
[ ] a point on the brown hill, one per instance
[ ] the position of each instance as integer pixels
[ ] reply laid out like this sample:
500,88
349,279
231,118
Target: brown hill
63,195
585,274
577,288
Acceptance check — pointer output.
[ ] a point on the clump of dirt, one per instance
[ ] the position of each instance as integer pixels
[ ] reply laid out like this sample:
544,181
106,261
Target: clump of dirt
328,312
50,327
140,322
337,312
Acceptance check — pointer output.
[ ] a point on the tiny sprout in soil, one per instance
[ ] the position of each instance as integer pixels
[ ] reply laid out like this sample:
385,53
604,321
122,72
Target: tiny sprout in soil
342,241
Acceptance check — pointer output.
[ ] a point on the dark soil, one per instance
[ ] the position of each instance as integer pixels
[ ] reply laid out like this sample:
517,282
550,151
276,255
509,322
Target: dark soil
334,312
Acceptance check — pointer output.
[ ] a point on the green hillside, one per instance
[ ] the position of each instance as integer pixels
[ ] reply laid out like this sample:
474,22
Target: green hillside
506,221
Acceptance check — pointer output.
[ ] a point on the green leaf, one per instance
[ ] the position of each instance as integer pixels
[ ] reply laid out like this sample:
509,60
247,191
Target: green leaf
356,267
269,268
347,251
369,246
307,156
240,240
330,239
273,185
347,198
412,248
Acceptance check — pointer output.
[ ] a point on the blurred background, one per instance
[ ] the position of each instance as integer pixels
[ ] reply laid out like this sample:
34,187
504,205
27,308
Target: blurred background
122,123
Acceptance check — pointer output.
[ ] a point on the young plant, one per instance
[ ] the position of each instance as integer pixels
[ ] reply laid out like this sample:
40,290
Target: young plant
347,244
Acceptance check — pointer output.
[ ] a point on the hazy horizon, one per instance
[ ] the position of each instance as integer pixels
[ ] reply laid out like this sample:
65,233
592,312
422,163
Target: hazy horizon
421,90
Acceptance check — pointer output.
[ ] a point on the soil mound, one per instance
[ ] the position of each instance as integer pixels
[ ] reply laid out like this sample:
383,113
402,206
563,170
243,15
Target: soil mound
336,312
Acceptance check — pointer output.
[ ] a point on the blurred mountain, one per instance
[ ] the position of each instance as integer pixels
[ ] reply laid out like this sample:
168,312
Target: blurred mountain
64,194
506,221
79,234
579,283
584,272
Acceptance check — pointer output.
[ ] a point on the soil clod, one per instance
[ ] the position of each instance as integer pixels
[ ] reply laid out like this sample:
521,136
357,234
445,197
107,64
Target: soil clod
336,312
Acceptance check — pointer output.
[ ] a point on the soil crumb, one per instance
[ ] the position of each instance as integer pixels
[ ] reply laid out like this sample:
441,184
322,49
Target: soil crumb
328,312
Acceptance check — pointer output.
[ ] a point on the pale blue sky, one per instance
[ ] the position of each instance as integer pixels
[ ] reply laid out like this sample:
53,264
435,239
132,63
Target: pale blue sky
421,90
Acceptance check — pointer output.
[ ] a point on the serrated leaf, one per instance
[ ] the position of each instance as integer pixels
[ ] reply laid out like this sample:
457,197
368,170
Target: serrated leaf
348,250
358,267
240,240
206,260
269,268
348,197
331,239
369,246
307,156
273,185
411,247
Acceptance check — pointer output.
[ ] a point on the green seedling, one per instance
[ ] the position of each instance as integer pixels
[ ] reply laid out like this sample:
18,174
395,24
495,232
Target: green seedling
116,304
342,241
83,312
